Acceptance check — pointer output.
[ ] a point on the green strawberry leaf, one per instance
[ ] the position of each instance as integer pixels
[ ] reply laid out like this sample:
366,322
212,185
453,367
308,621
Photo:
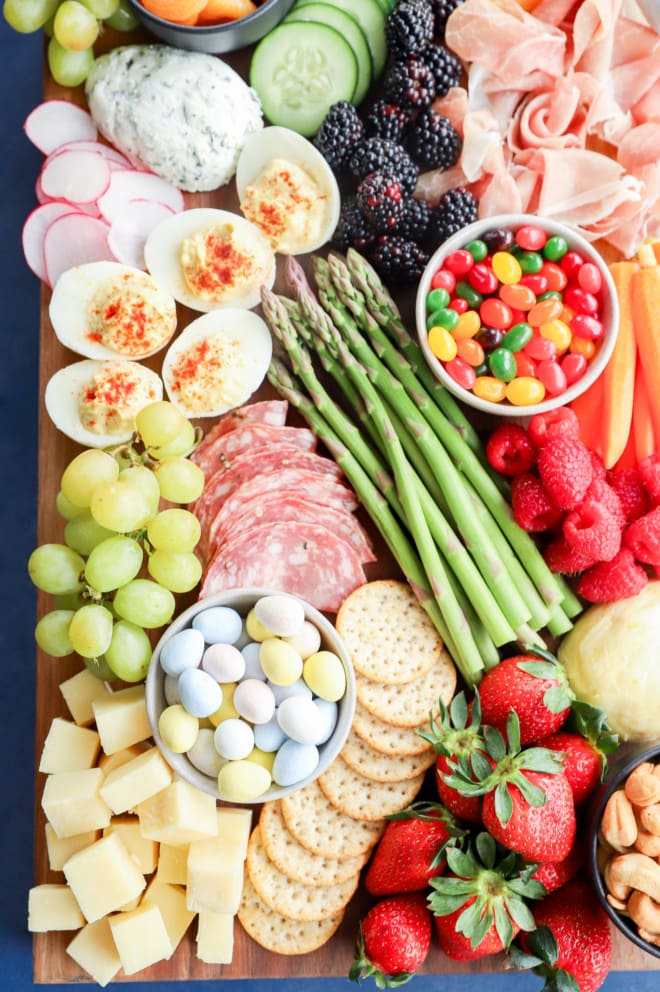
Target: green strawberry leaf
475,719
513,732
520,913
449,885
541,759
540,669
538,652
481,929
521,959
458,711
470,921
503,804
495,743
486,849
542,943
462,863
503,924
530,888
534,795
393,981
563,981
480,766
444,905
508,864
558,698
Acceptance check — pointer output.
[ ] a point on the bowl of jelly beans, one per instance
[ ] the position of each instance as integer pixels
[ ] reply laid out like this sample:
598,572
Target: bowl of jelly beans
516,314
250,695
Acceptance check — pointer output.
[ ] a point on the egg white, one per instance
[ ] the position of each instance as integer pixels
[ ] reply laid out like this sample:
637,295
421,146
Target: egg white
162,253
256,347
280,142
63,393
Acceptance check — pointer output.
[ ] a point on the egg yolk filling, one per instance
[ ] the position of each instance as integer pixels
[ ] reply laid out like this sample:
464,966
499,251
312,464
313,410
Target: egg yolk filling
129,314
207,376
286,202
110,402
217,267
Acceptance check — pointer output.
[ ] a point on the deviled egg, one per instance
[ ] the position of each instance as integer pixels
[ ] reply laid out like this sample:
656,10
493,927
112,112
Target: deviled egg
209,258
288,190
106,310
95,403
217,362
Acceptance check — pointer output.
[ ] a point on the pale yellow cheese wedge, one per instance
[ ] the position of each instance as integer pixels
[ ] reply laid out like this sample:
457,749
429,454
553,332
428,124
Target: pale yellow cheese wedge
72,802
93,948
68,747
173,863
215,877
215,937
79,693
234,827
108,762
53,907
136,780
121,718
171,900
60,849
140,937
178,814
144,852
104,877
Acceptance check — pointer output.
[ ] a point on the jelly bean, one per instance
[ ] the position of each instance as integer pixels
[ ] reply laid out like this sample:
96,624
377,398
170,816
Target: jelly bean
530,237
468,293
582,346
498,239
459,305
488,388
325,675
587,327
470,351
200,693
502,363
555,248
437,299
580,301
524,364
555,275
462,373
546,310
550,294
558,332
459,262
540,348
574,366
506,267
478,249
483,278
566,314
525,391
442,344
589,278
243,781
233,739
518,316
530,262
178,728
294,762
571,263
182,650
444,279
481,369
219,625
495,313
535,281
446,318
224,662
434,319
280,661
490,337
517,296
468,325
552,376
517,337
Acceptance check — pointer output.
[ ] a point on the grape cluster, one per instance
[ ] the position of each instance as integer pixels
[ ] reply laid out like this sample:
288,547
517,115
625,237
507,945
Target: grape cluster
72,26
111,502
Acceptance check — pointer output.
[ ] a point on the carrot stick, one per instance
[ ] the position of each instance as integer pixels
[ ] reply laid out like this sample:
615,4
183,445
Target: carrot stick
589,410
619,375
645,310
628,458
642,424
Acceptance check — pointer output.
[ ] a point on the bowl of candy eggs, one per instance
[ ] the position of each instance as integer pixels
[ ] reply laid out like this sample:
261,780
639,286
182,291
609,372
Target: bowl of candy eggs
516,314
250,695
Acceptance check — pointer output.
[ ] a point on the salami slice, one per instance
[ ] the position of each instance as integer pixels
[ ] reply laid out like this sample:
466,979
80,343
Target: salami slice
306,560
221,452
272,412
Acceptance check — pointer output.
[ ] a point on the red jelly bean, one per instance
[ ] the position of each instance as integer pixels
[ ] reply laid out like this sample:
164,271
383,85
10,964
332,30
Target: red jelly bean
585,326
518,316
573,367
540,348
524,365
571,263
580,301
536,281
458,304
530,237
459,262
495,313
518,296
556,277
444,279
461,372
589,278
482,278
553,377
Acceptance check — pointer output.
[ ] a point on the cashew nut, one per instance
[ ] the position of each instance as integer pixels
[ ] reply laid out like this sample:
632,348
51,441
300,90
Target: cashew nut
645,912
620,905
650,818
619,890
648,843
618,825
637,871
643,787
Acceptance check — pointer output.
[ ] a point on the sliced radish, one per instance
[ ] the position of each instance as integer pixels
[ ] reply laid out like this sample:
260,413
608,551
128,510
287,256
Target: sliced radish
35,228
74,239
55,122
129,231
80,177
39,192
111,154
130,185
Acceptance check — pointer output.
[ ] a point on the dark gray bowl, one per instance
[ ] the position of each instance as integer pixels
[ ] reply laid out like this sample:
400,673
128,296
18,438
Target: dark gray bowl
216,38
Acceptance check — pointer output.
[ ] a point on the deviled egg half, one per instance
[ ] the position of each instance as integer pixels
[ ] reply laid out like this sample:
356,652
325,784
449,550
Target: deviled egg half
217,362
208,258
95,403
105,310
288,190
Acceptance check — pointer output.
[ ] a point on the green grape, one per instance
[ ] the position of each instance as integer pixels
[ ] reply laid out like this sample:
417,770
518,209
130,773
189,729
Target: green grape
144,479
66,508
83,533
113,563
48,27
69,68
70,601
180,480
75,27
129,653
144,603
87,471
174,530
120,507
56,569
182,444
159,423
27,16
90,630
52,633
101,9
123,19
100,669
179,571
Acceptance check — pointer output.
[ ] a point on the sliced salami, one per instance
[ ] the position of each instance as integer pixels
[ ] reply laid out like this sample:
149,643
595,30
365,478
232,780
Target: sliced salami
271,412
220,454
306,560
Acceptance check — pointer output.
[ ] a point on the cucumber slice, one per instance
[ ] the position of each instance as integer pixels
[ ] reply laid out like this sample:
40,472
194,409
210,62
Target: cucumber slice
371,18
334,17
299,70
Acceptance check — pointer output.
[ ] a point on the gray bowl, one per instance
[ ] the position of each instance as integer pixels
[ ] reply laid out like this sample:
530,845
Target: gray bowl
215,38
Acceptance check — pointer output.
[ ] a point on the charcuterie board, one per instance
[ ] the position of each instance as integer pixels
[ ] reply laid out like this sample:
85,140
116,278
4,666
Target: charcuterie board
51,962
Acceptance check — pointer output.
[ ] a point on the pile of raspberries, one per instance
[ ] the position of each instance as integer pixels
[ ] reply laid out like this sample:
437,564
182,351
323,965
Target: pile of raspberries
601,525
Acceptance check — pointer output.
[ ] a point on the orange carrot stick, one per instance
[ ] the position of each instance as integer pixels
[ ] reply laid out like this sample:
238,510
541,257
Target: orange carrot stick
645,310
589,410
619,375
642,425
628,458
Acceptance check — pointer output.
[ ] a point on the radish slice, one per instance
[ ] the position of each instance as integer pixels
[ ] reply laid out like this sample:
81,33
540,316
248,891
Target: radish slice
35,228
129,231
39,192
80,177
73,240
111,154
129,185
55,122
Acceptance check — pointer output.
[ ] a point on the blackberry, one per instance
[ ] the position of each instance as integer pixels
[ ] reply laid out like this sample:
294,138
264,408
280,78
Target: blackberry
396,259
339,133
415,220
380,199
441,11
387,120
456,209
382,155
353,229
409,27
410,83
433,141
446,68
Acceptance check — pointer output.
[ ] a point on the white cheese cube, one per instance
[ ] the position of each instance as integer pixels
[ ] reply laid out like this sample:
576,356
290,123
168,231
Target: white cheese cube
94,950
144,852
103,877
215,877
136,780
140,937
121,719
108,762
68,747
215,937
178,814
53,907
171,900
173,864
79,693
72,802
60,849
234,831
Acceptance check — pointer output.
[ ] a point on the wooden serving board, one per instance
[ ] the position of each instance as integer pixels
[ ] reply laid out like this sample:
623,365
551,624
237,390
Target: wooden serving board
51,962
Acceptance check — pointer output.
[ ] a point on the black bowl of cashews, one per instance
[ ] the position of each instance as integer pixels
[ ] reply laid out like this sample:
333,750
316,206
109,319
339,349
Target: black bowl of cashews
624,854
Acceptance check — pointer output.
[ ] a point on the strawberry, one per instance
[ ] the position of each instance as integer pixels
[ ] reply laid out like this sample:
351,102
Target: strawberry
393,942
411,851
585,751
553,874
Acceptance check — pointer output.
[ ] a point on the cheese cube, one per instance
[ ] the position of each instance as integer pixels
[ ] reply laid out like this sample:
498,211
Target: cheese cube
173,863
79,693
140,937
178,814
135,781
234,831
215,937
108,762
60,849
121,718
72,802
94,950
68,747
144,852
53,907
171,900
103,877
131,904
215,878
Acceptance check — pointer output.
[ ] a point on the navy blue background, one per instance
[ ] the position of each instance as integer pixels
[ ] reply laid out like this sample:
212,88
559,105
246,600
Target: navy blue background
20,90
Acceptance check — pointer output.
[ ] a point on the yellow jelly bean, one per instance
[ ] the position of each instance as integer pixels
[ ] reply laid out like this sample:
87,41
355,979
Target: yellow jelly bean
178,728
243,781
227,710
506,267
255,628
468,325
264,758
558,332
582,346
280,661
525,390
487,387
324,674
442,344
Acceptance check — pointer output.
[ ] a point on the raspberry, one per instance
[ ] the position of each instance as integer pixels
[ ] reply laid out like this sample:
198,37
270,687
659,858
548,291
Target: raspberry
601,491
562,422
597,465
642,537
562,559
611,580
510,450
649,473
565,469
627,484
532,508
591,529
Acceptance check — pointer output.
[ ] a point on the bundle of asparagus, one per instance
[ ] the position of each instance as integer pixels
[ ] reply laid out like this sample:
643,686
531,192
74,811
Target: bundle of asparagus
414,460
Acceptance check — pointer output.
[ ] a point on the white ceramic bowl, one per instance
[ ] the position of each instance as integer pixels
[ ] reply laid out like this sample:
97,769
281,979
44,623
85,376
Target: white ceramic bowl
609,313
243,600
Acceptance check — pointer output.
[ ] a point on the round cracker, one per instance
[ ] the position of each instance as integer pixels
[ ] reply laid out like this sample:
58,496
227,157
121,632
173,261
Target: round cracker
361,797
379,767
387,633
295,860
384,737
323,829
278,933
409,705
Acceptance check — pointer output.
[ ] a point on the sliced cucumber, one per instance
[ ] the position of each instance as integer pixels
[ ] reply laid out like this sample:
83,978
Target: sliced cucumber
371,18
334,17
299,70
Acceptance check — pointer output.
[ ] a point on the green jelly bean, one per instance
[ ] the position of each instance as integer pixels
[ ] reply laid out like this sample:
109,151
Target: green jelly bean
444,317
531,262
517,336
555,248
550,294
472,296
502,363
478,249
437,299
481,369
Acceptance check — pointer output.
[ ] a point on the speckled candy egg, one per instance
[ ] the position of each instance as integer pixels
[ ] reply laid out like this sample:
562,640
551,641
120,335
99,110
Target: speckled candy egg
255,628
324,674
178,728
200,693
224,663
253,669
284,616
294,762
233,739
299,719
226,710
183,650
203,754
280,662
254,701
269,736
297,688
243,781
328,716
307,641
219,625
